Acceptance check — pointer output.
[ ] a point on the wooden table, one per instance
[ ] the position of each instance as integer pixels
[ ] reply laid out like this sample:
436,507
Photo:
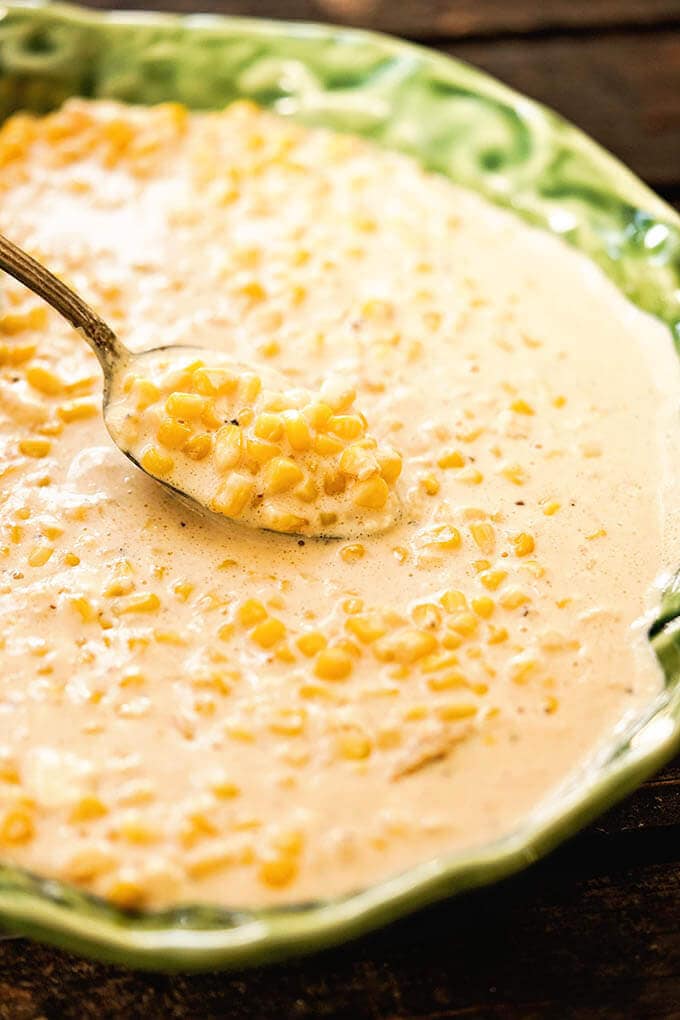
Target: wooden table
595,930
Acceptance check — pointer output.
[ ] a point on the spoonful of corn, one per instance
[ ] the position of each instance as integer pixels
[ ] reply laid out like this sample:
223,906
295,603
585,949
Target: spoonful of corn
238,441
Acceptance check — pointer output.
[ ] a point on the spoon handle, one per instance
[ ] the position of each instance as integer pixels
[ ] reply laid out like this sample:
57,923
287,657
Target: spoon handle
46,285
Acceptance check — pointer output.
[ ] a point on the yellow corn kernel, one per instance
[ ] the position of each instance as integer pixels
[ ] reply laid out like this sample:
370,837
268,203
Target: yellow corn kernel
551,507
228,447
186,406
497,635
521,669
289,722
16,826
213,382
333,664
483,606
484,535
142,603
551,704
84,608
250,387
87,809
133,829
267,633
156,462
297,429
311,643
44,380
268,426
199,446
352,553
464,624
513,598
251,612
173,434
493,579
36,447
357,462
277,871
145,392
353,745
287,523
438,661
77,410
429,485
451,459
520,406
454,601
405,646
71,559
443,536
447,681
281,474
337,394
334,483
233,495
16,322
368,627
371,494
454,713
39,555
16,354
308,491
119,586
258,452
559,401
515,473
327,446
390,463
346,426
523,543
427,615
317,414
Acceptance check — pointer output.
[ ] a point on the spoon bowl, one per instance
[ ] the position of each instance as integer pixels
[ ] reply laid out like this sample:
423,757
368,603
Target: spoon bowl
232,439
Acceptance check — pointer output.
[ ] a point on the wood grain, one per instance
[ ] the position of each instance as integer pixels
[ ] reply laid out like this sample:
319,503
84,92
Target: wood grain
436,19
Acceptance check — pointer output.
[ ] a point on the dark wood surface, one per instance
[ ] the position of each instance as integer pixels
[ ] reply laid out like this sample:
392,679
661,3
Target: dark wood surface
594,931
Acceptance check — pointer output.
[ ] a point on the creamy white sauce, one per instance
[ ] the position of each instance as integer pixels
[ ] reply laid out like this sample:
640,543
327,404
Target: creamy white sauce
154,749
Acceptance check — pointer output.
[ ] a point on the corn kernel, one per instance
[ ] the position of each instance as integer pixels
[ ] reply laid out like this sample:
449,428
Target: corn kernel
390,463
454,713
298,432
523,543
405,646
371,494
36,447
87,809
156,462
16,827
443,536
228,447
39,555
497,635
333,664
311,643
520,406
277,871
483,606
551,507
317,414
71,559
213,382
515,473
267,633
429,485
513,598
484,535
447,681
327,446
44,380
233,495
289,722
199,446
451,459
268,426
186,406
281,474
148,603
464,624
493,579
308,491
453,601
173,434
353,745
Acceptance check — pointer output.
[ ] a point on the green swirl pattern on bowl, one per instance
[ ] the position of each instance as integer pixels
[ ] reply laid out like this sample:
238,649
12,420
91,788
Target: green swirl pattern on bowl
458,122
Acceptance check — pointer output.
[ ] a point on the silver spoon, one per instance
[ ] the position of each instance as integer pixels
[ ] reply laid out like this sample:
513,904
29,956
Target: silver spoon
340,485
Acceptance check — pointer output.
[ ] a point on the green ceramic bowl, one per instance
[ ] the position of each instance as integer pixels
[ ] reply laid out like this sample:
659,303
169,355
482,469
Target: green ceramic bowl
480,134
